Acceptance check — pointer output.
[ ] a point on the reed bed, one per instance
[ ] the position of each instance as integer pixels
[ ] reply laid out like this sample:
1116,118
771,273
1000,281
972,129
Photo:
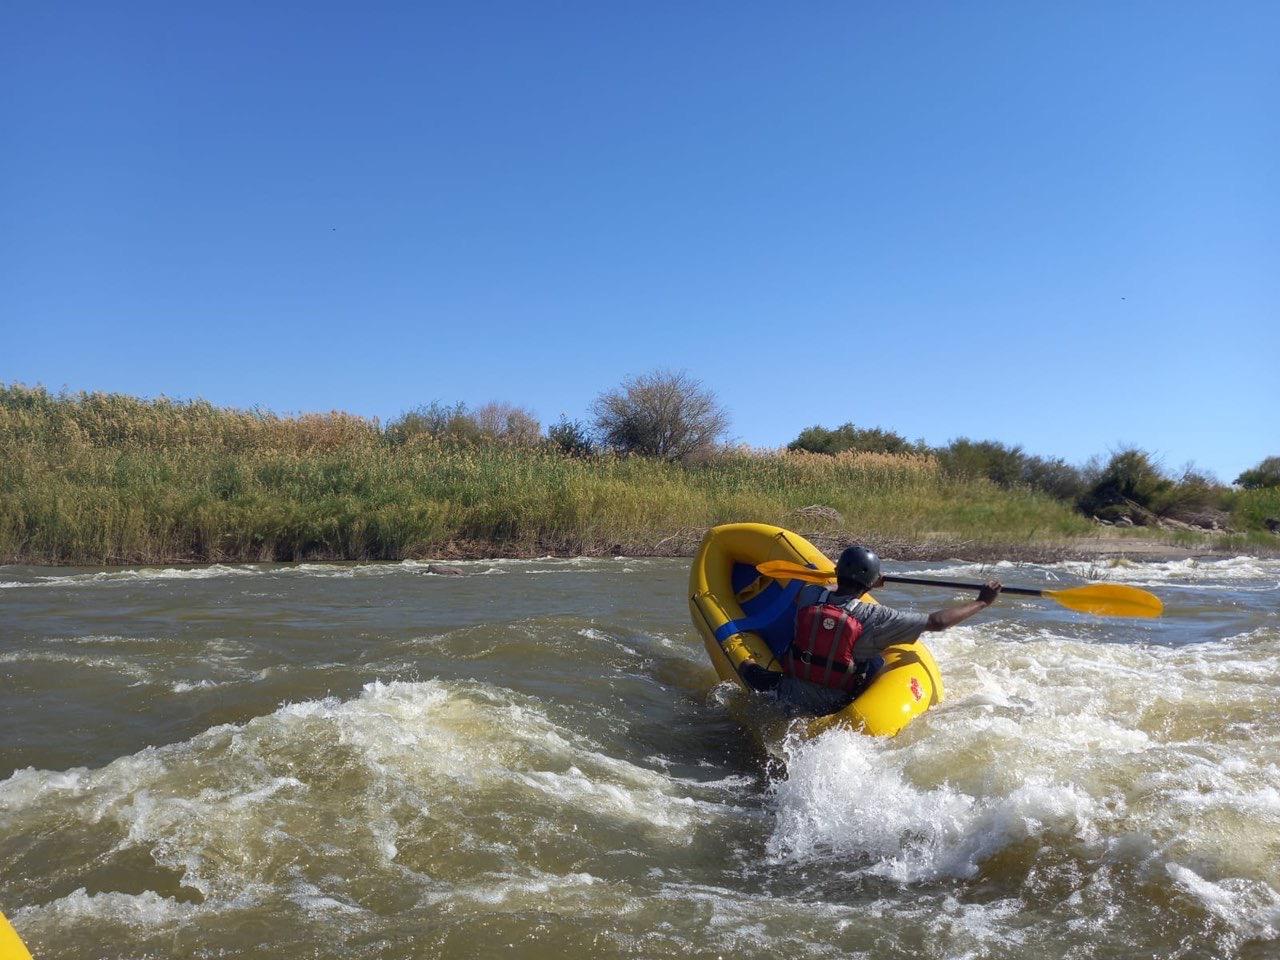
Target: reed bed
100,479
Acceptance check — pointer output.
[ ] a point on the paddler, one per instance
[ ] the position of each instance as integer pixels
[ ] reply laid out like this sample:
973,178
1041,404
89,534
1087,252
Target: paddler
838,638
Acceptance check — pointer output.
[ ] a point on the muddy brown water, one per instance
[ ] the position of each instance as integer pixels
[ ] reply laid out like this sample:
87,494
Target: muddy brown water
535,760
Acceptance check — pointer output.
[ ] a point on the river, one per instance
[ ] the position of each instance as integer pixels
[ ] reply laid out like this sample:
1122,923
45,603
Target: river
535,760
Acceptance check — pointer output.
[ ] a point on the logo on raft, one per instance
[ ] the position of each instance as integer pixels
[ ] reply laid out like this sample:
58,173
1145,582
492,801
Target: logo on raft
915,688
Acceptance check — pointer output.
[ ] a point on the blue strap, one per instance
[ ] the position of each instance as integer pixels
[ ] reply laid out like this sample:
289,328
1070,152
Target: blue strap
764,617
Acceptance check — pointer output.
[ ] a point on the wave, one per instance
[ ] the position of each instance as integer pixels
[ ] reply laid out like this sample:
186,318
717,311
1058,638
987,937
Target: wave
138,673
1232,573
138,575
134,575
431,784
1152,759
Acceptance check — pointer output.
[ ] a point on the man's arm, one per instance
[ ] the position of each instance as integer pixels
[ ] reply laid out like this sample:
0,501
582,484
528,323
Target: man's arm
942,619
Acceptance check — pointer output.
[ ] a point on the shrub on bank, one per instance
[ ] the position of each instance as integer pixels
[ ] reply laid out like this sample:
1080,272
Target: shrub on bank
1130,478
571,437
495,422
849,438
663,414
1129,487
1011,467
1257,508
1132,485
1265,474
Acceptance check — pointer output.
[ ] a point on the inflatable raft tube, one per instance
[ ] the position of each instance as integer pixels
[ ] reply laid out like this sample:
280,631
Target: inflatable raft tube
11,946
743,615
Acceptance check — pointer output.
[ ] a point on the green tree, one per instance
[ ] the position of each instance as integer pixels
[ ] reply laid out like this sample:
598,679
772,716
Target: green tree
1011,467
1265,474
571,437
437,420
847,437
1129,477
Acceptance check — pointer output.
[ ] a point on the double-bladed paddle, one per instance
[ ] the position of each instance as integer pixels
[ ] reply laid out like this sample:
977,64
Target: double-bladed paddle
1100,599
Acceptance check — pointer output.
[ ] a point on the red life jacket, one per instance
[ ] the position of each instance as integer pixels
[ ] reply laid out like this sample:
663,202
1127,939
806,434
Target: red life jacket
822,651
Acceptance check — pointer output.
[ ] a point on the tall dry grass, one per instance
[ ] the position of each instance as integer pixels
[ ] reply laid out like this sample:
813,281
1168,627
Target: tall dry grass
96,478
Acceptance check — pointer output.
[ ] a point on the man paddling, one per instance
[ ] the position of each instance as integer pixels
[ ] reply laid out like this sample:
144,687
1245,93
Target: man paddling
839,639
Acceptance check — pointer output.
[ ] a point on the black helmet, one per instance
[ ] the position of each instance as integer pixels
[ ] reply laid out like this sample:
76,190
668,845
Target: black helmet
858,565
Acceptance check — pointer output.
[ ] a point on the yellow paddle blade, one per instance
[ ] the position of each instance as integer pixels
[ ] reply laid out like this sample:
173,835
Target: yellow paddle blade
785,570
1108,600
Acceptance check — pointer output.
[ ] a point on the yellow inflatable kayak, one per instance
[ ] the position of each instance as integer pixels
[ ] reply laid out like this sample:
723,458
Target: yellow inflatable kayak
744,615
11,946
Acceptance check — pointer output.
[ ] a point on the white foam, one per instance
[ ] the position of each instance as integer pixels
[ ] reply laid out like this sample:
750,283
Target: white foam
139,575
841,799
146,909
1098,749
1251,908
1230,571
139,674
236,806
91,640
1251,574
183,686
514,891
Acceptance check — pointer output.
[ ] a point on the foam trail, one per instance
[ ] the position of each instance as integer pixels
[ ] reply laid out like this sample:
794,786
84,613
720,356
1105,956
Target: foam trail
1113,756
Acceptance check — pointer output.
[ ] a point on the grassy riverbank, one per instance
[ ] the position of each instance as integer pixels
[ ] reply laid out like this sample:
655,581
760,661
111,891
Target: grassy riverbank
110,479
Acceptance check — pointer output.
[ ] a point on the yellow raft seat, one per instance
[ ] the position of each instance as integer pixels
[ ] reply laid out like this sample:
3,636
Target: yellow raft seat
744,615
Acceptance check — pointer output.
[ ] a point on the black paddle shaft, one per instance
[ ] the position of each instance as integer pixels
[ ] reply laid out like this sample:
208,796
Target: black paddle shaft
962,585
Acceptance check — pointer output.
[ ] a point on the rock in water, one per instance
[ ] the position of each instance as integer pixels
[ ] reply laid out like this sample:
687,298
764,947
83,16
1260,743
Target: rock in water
445,571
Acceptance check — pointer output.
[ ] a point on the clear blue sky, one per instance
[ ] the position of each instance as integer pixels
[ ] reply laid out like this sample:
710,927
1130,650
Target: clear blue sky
1049,224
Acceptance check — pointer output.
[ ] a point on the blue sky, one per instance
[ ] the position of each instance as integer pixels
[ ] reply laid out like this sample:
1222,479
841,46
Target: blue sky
1050,224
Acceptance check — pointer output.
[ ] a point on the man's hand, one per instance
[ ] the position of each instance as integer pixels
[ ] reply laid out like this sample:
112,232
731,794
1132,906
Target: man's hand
942,619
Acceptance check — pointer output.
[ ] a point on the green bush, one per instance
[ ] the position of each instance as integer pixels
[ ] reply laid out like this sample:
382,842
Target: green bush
1265,474
1010,467
849,438
1194,493
1253,508
1129,477
571,437
983,458
437,421
1053,476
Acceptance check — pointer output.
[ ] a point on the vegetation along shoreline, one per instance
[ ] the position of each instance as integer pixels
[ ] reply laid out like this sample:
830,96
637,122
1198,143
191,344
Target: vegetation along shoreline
107,479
